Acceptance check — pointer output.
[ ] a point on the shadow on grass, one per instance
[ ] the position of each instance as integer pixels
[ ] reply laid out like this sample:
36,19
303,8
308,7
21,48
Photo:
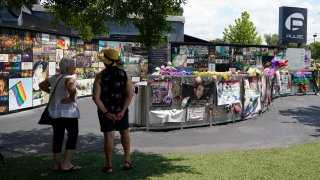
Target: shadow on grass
39,141
145,166
28,155
309,116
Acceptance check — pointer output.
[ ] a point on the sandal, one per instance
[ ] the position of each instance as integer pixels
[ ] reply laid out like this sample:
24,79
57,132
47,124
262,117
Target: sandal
127,166
73,168
107,170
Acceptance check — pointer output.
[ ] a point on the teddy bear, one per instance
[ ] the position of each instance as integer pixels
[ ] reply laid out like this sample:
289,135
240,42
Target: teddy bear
170,68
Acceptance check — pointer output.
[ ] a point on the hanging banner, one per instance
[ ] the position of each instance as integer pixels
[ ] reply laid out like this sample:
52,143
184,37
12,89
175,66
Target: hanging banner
229,101
285,82
228,92
161,93
198,94
265,93
252,103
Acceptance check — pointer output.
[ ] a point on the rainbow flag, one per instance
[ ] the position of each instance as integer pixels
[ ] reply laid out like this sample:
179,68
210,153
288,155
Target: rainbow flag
120,50
28,34
19,93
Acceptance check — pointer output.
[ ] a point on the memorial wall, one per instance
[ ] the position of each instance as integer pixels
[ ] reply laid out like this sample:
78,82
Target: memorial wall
28,57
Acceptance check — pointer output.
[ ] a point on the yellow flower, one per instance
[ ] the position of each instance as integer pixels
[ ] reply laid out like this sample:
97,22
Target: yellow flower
225,77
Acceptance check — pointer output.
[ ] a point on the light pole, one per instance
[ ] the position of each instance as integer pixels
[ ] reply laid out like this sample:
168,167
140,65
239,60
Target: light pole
314,39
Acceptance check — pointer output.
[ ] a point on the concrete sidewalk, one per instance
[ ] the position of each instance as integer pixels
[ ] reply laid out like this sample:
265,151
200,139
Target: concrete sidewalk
291,120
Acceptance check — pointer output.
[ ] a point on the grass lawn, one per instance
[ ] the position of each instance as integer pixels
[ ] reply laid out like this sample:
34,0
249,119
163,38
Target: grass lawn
293,162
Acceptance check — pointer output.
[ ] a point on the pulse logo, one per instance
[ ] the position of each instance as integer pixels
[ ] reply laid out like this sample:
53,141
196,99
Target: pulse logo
294,21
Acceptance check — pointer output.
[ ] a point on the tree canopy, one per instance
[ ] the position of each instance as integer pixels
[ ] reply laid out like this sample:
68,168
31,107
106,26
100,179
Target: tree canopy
243,32
92,17
271,39
219,41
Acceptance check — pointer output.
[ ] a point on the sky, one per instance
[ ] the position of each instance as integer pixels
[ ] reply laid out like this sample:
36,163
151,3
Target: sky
206,19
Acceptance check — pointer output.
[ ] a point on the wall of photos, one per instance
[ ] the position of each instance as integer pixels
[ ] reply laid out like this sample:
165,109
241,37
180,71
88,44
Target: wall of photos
173,101
28,57
209,57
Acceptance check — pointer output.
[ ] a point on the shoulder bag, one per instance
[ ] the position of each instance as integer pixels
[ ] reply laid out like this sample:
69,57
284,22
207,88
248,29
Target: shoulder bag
45,119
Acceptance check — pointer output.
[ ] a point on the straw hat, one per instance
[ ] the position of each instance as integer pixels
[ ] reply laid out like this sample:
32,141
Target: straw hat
107,55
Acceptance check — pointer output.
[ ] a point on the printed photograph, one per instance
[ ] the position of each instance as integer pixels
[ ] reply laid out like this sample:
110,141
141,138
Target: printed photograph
84,87
20,93
228,92
161,93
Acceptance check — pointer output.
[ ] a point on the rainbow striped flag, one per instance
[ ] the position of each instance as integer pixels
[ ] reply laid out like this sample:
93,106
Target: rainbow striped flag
19,93
120,50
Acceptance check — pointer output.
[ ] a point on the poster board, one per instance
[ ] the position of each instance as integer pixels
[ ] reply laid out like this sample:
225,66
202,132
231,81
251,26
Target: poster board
252,103
296,58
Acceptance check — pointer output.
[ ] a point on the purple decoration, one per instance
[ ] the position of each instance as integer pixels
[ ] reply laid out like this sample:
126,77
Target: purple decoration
274,62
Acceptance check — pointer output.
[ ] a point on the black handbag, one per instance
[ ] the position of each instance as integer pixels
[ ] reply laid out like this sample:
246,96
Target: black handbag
45,119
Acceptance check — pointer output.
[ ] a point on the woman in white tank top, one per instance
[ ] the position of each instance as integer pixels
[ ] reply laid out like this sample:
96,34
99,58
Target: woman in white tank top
64,110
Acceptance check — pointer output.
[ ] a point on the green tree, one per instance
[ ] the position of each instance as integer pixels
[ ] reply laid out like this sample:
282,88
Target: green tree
271,39
243,33
219,41
92,17
315,50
